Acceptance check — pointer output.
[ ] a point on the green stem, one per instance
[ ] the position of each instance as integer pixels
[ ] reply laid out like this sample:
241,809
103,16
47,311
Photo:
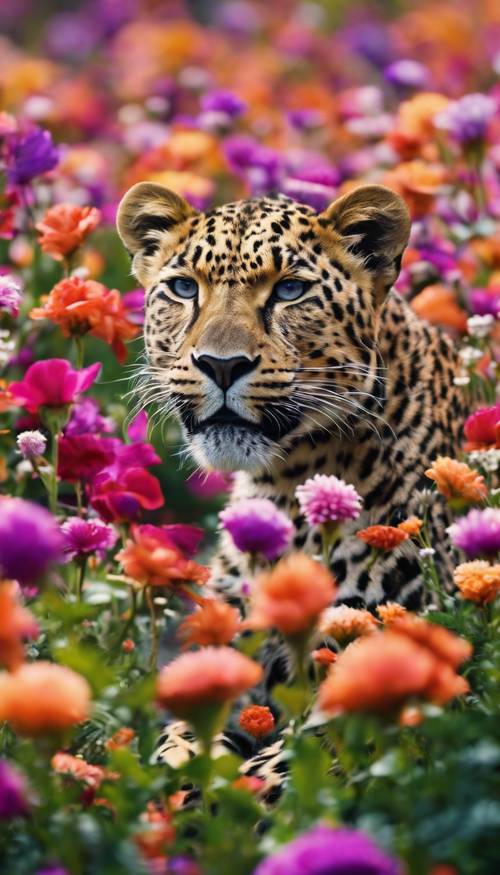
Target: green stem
55,463
153,659
81,578
79,351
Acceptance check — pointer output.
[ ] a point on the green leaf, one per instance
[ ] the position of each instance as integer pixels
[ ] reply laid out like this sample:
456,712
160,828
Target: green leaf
88,662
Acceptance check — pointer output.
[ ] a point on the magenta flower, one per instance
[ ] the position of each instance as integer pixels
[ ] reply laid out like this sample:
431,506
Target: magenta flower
13,801
86,418
52,383
326,851
478,532
134,305
30,540
122,499
138,428
467,119
177,536
225,102
485,302
31,444
87,536
324,498
209,484
52,869
10,294
83,456
257,526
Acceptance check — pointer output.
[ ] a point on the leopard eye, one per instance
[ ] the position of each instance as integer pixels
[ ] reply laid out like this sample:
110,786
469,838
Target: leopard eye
290,290
184,287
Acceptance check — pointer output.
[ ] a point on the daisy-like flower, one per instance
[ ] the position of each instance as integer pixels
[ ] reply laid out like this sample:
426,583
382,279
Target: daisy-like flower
390,611
478,532
258,527
324,498
478,581
344,623
383,537
456,480
214,623
87,536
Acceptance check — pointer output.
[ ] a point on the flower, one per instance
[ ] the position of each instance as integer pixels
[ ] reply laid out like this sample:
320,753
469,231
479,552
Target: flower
257,720
52,869
29,154
206,676
324,656
66,764
184,865
121,738
150,561
390,611
327,851
407,73
324,498
10,294
13,798
478,581
83,456
225,102
444,644
43,697
209,484
477,532
85,306
381,672
85,418
456,480
30,540
156,833
468,118
31,444
215,622
291,596
411,526
52,383
438,305
87,536
482,428
16,624
344,623
64,227
119,500
257,526
382,537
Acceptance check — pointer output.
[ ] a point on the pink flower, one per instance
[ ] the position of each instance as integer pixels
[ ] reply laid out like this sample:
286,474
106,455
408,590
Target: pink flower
257,526
483,426
52,383
478,532
324,498
209,484
122,499
87,536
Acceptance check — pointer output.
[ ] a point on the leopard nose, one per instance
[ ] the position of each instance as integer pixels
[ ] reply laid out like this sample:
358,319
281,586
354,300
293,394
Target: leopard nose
225,372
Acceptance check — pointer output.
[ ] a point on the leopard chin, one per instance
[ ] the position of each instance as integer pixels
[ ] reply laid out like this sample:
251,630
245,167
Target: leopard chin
231,448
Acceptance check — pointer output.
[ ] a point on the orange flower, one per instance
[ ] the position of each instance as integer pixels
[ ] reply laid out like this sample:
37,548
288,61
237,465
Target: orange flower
43,697
122,738
66,764
344,623
250,783
438,305
85,306
456,480
445,645
207,676
418,182
215,622
257,720
324,656
478,581
16,623
382,537
6,397
64,227
292,595
390,612
151,563
411,716
411,526
415,122
157,832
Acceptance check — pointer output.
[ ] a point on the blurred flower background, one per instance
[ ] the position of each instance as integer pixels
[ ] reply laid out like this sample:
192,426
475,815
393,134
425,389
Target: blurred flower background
105,529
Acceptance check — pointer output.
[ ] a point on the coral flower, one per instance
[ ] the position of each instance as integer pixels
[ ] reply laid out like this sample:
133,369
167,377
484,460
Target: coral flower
257,720
151,563
121,738
66,764
382,537
215,623
212,675
390,612
80,306
52,383
64,227
292,596
43,697
324,498
456,480
344,623
438,305
324,656
411,526
445,645
257,526
16,624
482,428
418,182
478,532
478,581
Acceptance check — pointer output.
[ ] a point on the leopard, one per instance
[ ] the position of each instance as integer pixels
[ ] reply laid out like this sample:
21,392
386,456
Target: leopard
274,334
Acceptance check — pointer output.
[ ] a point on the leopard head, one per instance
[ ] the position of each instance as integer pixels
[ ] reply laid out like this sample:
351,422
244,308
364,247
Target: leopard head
262,316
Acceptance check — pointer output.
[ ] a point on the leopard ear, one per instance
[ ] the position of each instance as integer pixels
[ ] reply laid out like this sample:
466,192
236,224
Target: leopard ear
374,223
148,215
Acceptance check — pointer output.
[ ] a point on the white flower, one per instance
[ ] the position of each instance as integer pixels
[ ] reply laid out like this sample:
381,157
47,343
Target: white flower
489,460
480,326
463,380
426,552
469,355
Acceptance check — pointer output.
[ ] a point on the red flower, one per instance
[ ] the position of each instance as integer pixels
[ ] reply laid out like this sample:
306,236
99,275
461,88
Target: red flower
482,428
382,537
82,456
64,227
52,383
119,500
257,720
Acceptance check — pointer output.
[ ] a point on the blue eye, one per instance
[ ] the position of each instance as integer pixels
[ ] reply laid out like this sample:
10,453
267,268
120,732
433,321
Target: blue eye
290,290
184,287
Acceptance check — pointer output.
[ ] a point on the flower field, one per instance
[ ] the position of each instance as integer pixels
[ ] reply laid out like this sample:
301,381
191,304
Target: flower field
302,735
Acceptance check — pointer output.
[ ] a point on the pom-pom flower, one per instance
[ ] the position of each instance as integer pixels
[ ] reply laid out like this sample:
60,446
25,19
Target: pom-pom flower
291,597
87,536
30,540
478,532
456,480
257,527
64,227
257,720
383,537
478,581
391,611
344,623
31,444
326,499
214,623
42,697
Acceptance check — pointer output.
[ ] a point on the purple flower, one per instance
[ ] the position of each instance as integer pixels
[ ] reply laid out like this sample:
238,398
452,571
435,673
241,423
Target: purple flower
326,851
467,119
87,536
478,532
183,866
31,444
10,294
30,540
52,869
257,526
30,154
407,73
13,802
305,119
259,165
225,102
324,498
86,419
